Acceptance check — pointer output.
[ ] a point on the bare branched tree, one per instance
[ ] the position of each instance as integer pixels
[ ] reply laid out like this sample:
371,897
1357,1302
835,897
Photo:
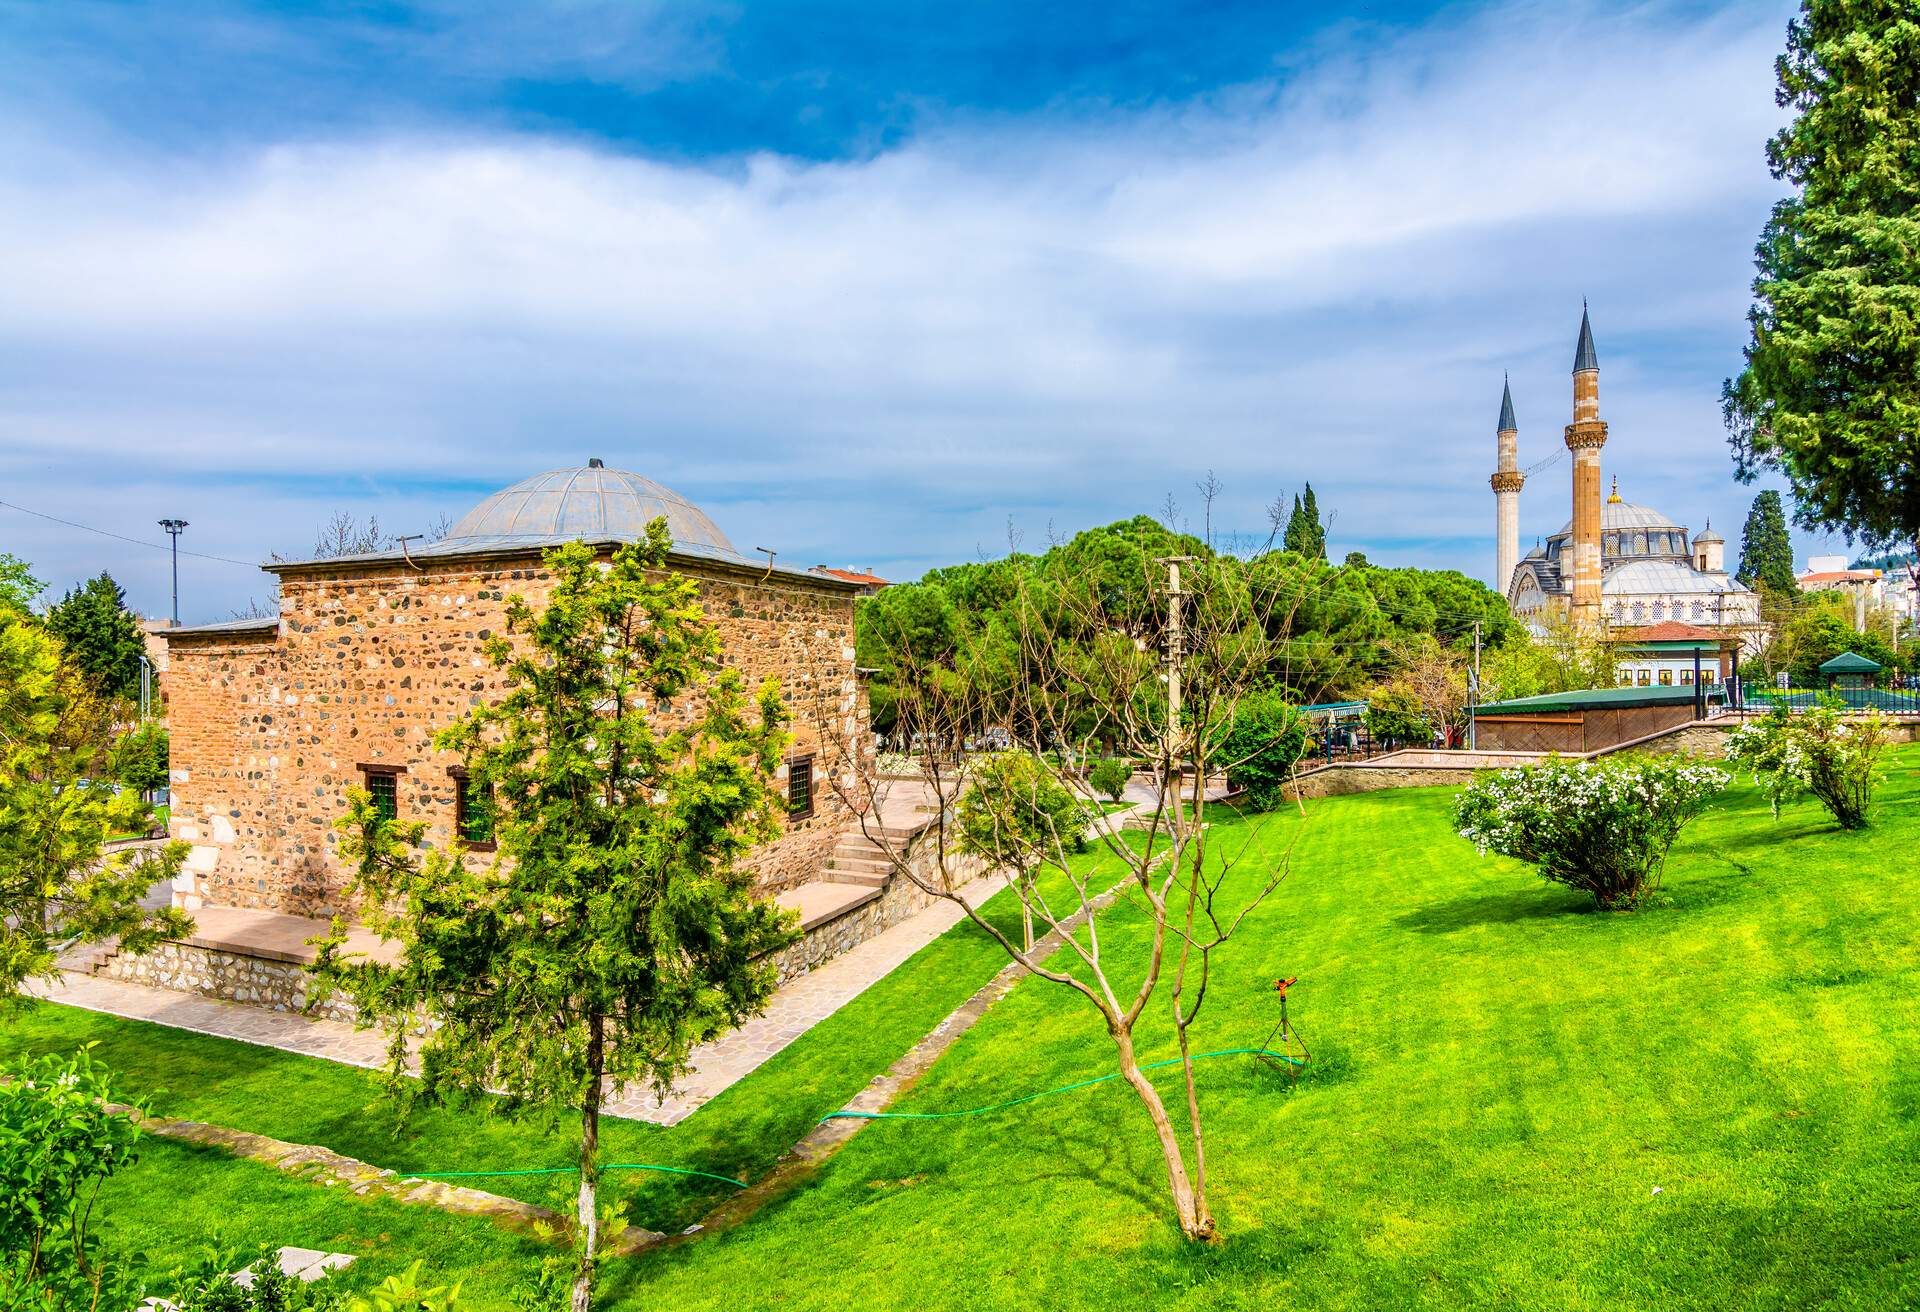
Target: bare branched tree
1209,489
1160,685
345,535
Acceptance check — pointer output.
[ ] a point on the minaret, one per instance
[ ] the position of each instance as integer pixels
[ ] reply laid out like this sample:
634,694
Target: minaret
1507,480
1585,436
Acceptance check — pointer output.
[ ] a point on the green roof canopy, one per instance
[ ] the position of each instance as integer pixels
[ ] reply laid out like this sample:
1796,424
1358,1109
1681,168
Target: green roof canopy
1593,699
1848,662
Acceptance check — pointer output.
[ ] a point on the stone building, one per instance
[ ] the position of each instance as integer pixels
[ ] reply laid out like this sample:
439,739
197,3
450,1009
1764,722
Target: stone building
274,719
1613,562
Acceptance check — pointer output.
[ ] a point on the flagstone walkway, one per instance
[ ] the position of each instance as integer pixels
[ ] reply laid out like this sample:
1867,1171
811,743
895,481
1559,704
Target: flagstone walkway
797,1007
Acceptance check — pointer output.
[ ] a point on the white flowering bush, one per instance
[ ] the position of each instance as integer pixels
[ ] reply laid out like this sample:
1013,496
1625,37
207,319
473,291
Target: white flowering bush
1819,751
1603,827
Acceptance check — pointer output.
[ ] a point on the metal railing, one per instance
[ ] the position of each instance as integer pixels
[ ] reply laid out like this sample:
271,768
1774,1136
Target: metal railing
1759,699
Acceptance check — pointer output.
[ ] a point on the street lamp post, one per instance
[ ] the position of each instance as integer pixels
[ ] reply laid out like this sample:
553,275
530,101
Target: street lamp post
173,527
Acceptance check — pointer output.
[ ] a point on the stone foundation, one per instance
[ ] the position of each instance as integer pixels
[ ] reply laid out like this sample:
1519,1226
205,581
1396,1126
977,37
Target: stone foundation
230,976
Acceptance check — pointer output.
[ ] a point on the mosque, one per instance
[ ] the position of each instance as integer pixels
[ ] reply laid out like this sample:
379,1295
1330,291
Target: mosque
1614,563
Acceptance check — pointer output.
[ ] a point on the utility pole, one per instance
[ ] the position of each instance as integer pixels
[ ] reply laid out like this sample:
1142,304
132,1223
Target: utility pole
173,527
1176,647
1473,694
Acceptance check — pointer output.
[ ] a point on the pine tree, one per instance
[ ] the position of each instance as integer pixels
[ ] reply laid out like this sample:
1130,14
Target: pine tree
1830,395
615,927
1766,552
100,634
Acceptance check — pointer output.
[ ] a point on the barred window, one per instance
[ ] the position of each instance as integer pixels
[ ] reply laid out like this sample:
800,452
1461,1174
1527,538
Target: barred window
800,788
472,811
383,785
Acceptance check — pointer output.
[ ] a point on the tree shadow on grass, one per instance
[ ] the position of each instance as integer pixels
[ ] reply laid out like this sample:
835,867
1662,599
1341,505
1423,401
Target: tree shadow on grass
1514,907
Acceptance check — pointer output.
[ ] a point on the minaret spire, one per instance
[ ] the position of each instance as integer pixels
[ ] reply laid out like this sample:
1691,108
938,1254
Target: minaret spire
1507,481
1585,436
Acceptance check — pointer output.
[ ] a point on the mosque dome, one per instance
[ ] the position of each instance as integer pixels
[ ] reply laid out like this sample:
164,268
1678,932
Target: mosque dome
1624,514
588,503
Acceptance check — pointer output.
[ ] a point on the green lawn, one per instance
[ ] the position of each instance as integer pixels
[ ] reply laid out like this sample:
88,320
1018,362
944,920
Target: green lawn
1708,1103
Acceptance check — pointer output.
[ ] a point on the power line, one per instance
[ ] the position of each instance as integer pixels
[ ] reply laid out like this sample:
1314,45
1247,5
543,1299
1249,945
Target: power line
156,546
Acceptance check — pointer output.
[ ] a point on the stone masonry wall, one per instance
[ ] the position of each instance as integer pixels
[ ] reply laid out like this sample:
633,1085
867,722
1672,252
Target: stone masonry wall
235,977
270,730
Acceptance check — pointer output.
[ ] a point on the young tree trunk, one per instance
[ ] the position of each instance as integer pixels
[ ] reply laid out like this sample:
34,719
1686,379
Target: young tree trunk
1184,1203
589,1213
1203,1218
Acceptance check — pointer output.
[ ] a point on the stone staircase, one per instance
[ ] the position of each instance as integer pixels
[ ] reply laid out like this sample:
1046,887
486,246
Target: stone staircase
859,859
90,958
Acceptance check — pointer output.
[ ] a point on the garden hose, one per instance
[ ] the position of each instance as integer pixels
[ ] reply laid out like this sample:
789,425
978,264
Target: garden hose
1065,1088
569,1170
863,1116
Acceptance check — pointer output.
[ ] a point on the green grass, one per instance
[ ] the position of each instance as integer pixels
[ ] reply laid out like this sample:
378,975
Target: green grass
1504,1077
303,1100
1507,1078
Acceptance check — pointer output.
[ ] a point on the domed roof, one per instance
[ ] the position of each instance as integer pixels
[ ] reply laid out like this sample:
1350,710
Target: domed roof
589,503
1625,514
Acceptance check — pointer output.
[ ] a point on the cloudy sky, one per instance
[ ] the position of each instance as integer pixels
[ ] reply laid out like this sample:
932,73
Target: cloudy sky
868,281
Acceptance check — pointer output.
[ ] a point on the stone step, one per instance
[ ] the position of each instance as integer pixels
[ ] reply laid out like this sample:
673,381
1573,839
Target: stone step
824,900
845,875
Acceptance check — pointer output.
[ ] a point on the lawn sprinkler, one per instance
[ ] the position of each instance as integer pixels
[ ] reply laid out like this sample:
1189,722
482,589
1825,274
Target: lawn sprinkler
1283,1033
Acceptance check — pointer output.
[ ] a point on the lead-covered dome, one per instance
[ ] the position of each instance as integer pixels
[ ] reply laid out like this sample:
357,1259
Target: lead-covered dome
589,503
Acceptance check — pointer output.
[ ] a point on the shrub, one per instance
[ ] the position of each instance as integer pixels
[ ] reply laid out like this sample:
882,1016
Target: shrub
1602,827
1016,815
58,1143
1109,778
1265,738
1817,751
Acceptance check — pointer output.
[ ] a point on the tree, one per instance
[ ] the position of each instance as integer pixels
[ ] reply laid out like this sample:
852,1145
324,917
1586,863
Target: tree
345,535
100,634
1187,889
58,806
1305,534
1013,809
18,586
1434,678
1261,743
1766,552
1830,395
139,759
615,927
1820,629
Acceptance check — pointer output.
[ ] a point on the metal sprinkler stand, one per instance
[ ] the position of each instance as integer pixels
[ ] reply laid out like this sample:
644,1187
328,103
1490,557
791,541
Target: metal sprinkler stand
1285,1035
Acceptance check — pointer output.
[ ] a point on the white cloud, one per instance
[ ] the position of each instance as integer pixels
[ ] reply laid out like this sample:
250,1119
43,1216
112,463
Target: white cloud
878,361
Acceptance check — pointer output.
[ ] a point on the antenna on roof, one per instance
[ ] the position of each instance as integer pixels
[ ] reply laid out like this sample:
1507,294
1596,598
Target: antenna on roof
768,553
405,538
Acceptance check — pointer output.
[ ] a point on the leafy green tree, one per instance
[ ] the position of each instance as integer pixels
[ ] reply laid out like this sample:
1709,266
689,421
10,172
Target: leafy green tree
1110,777
1012,809
1820,629
615,928
1394,714
139,758
1766,552
101,635
58,806
1261,744
18,586
1830,395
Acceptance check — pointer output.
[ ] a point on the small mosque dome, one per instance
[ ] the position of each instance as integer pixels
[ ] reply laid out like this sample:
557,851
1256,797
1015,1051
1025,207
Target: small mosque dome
589,503
1708,536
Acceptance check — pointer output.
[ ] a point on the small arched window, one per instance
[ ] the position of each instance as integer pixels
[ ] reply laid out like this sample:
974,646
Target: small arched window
1639,611
1659,611
1699,610
1639,544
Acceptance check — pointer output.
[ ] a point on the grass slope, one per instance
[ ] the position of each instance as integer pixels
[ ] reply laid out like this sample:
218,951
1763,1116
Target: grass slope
1709,1103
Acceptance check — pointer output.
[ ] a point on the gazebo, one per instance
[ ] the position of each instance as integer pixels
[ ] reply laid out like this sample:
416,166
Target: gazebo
1850,670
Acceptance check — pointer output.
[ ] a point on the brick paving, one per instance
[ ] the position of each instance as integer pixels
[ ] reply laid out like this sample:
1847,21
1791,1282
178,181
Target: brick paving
796,1008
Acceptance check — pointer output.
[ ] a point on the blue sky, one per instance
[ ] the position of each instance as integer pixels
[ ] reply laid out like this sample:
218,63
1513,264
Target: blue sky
873,283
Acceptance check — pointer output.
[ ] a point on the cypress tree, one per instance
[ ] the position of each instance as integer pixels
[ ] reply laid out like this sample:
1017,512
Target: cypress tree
1830,395
100,635
1766,552
1316,531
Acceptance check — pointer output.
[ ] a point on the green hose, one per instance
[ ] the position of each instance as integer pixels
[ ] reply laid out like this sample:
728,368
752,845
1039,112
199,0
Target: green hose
569,1170
1065,1088
862,1116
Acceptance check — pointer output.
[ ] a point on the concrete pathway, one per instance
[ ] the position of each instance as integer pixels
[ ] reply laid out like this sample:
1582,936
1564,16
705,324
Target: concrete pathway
796,1008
